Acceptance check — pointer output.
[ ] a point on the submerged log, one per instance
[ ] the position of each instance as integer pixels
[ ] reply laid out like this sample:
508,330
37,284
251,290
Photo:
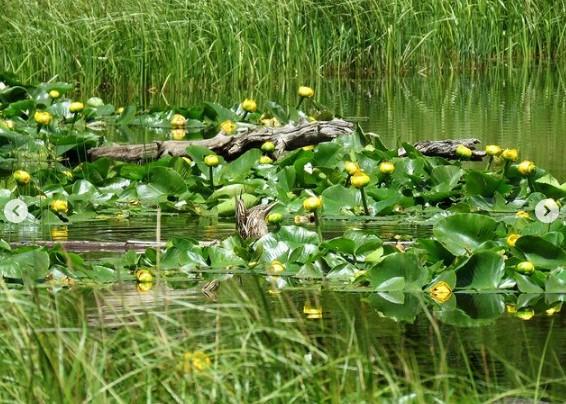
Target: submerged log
288,137
446,148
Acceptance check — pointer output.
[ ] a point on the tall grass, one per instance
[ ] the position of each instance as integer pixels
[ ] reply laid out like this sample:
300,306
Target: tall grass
120,345
190,43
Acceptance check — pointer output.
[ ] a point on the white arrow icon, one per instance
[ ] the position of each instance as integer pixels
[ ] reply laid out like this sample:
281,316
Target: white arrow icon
547,210
16,211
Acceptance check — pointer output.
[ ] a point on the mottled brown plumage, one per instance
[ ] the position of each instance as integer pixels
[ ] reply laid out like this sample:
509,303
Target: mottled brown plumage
250,223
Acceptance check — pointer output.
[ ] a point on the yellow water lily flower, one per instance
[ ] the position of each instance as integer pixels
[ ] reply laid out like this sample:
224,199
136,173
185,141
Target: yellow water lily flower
526,168
440,292
144,287
265,160
511,308
351,167
144,275
59,206
276,267
308,148
195,361
359,180
270,122
493,150
211,160
54,94
228,127
522,214
178,121
59,233
120,111
42,117
306,92
274,218
312,203
178,134
76,106
249,105
22,177
386,167
525,314
68,174
312,311
268,147
510,154
553,310
463,152
525,267
512,239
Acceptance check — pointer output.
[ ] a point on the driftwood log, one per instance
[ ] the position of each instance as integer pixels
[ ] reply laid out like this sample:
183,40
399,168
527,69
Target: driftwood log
288,137
446,148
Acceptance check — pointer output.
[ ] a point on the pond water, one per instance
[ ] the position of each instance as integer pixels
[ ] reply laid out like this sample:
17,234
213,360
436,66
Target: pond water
497,351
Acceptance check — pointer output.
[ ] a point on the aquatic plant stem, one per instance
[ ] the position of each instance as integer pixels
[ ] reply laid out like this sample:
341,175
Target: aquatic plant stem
211,176
318,223
364,201
489,163
301,99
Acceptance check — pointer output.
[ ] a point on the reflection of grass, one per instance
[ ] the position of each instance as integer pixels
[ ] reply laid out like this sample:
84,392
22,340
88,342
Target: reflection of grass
129,346
175,43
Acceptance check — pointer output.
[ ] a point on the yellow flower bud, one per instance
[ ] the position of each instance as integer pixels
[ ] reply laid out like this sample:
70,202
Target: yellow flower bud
228,127
54,94
511,308
120,111
59,206
312,312
42,117
522,214
274,218
493,150
144,275
312,203
306,92
510,154
276,267
526,168
178,134
211,160
268,147
308,148
351,167
360,180
525,313
525,267
463,152
144,287
512,239
249,105
178,121
22,177
271,122
265,160
76,107
440,292
553,310
386,167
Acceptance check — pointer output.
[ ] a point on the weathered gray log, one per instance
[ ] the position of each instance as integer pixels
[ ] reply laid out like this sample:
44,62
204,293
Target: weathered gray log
446,148
288,137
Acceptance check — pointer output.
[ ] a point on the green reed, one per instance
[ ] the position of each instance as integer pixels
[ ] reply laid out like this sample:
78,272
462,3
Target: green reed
139,45
122,345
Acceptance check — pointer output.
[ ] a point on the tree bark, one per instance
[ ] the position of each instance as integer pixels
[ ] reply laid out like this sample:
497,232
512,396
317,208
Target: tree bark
285,138
446,148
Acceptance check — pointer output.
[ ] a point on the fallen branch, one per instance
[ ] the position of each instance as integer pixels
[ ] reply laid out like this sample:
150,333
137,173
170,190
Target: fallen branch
285,138
446,148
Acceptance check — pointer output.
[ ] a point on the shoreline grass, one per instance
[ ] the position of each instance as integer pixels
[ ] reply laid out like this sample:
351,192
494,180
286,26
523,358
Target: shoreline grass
136,45
121,345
